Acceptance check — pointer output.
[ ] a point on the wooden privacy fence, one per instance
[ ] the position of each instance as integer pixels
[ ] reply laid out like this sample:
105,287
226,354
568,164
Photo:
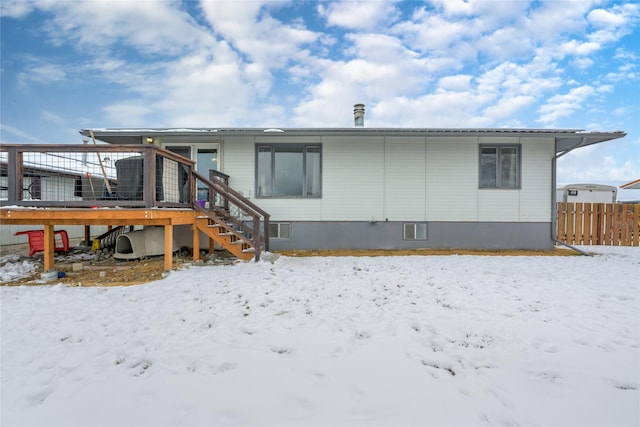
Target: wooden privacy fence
610,224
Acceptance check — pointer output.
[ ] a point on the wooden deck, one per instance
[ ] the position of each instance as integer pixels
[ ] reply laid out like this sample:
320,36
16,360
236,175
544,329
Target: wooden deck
151,187
50,217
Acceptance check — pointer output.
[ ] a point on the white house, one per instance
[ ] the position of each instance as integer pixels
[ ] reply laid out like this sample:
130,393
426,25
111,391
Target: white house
333,188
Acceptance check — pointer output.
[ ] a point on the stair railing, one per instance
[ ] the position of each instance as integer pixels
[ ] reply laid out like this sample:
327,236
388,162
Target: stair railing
231,209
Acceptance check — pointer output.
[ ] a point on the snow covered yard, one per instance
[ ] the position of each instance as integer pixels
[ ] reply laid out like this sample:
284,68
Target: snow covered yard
421,340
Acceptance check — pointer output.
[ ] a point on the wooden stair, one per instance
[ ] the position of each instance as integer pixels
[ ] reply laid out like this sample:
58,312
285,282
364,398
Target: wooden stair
225,235
229,218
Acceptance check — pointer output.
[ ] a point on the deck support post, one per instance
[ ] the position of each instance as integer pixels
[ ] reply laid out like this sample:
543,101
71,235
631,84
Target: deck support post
196,243
49,247
168,247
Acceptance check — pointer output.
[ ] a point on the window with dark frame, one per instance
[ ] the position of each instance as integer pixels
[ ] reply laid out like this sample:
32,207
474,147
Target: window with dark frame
288,170
500,166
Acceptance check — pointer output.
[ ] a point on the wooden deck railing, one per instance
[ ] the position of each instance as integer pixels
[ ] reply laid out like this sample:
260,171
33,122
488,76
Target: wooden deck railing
98,175
129,177
610,224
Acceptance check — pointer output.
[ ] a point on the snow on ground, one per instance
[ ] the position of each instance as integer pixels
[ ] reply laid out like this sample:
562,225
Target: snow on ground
420,340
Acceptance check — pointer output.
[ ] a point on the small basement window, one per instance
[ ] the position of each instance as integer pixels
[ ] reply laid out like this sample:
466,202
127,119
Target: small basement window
415,231
280,230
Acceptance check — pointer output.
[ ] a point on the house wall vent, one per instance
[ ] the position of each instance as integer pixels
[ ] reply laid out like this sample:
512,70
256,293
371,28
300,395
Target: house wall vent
358,115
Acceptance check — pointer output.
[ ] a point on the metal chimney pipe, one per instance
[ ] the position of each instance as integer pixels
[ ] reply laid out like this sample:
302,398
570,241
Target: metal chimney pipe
358,115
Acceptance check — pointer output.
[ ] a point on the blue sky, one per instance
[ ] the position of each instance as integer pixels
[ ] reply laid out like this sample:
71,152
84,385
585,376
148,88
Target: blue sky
68,65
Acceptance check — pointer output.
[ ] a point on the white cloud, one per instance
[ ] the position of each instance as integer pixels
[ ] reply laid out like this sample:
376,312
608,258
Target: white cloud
605,89
549,21
486,15
15,8
615,23
52,117
450,63
511,80
446,109
618,16
604,19
574,47
458,83
559,106
250,29
160,27
596,166
454,7
428,32
582,63
359,15
22,136
622,54
127,114
508,106
198,91
507,42
41,73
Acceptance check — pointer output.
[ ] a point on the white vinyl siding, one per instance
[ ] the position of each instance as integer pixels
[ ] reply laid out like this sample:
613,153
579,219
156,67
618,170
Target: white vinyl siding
238,156
452,179
535,196
498,205
353,175
405,179
409,179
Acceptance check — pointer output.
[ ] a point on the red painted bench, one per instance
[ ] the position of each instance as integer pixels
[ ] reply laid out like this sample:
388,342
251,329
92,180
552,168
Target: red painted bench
36,240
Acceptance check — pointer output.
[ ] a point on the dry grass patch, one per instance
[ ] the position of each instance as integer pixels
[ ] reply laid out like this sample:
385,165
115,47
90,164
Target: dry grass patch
106,273
425,252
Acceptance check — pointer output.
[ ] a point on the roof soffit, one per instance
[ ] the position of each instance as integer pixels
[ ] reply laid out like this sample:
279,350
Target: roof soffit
567,139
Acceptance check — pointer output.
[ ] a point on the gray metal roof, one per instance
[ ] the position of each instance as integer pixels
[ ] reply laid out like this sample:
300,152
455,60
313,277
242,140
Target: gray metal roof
567,139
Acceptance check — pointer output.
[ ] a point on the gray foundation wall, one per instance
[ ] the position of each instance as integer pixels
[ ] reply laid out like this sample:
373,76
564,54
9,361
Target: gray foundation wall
389,235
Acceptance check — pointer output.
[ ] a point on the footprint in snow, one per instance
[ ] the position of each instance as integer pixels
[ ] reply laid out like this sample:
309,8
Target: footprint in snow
282,350
140,366
627,386
227,366
38,397
362,335
546,375
318,377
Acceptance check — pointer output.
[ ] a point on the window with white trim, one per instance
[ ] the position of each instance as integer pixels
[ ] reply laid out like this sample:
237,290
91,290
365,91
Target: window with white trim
279,230
288,170
415,231
500,166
